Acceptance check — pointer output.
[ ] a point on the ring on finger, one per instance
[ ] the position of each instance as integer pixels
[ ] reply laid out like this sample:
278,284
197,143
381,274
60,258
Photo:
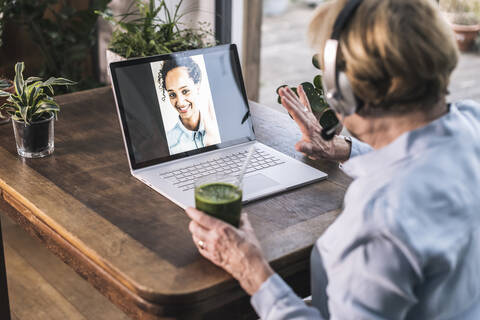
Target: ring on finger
201,244
305,109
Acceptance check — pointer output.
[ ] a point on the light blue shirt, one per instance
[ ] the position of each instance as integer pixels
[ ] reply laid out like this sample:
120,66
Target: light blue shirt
180,139
407,244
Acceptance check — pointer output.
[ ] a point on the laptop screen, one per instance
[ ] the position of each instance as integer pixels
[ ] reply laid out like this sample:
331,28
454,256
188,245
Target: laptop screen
176,105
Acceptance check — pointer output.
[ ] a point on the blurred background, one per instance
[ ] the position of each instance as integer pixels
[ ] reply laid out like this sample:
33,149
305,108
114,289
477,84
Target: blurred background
286,56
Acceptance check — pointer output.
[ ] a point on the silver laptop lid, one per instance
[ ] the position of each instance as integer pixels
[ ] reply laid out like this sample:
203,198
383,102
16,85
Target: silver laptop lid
177,105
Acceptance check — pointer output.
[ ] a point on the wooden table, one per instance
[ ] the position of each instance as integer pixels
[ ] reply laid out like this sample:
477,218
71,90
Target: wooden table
131,243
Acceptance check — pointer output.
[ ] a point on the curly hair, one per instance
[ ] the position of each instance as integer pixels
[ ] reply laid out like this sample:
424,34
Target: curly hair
187,62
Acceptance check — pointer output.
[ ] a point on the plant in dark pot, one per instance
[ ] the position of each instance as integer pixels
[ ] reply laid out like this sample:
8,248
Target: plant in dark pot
464,17
33,110
314,91
150,28
5,85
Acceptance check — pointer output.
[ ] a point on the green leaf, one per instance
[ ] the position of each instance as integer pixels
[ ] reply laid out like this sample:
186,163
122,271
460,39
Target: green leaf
32,79
4,94
58,82
23,113
47,106
317,103
38,97
15,99
8,107
283,85
19,83
317,82
328,119
316,61
24,98
31,92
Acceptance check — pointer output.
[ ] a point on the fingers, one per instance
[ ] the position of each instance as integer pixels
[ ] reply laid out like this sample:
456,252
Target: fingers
306,148
198,231
293,105
203,219
303,97
204,251
245,222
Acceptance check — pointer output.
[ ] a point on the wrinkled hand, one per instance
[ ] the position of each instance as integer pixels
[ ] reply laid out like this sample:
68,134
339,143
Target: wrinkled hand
312,144
237,251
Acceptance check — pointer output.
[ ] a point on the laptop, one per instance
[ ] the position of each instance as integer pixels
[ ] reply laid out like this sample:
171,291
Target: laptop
185,115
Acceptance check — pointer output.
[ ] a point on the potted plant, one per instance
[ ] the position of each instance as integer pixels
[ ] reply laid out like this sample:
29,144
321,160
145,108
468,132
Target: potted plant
464,17
7,86
145,32
314,92
32,109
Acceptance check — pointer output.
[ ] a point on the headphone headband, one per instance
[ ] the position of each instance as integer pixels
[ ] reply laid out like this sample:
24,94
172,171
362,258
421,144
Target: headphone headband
337,89
344,17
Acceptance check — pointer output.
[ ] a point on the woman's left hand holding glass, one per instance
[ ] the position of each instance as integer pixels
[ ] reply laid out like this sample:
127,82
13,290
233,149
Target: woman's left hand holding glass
237,251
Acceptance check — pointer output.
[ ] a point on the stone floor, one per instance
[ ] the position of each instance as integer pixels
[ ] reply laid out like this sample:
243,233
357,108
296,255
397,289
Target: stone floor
286,58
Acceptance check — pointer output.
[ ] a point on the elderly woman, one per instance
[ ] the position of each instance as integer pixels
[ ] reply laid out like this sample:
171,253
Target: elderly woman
407,244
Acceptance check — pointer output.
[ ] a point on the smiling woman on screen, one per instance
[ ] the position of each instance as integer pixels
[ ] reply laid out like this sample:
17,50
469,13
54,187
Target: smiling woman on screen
407,243
181,79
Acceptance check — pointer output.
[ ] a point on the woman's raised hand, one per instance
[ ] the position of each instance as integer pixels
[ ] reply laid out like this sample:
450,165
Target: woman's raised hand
312,144
237,251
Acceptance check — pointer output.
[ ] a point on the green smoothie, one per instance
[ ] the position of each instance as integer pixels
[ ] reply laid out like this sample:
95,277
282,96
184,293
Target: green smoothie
221,200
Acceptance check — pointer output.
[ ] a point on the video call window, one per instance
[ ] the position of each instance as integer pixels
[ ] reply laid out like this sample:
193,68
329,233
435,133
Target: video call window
186,103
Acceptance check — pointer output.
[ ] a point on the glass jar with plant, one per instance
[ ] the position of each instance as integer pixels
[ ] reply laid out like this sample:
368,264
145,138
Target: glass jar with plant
32,109
314,92
153,29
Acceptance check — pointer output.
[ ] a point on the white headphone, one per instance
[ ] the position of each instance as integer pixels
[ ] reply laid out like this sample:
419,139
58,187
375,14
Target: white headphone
337,89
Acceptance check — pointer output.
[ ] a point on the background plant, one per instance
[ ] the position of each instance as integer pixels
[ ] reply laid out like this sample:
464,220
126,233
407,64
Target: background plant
316,98
4,84
32,100
66,37
151,29
465,12
3,4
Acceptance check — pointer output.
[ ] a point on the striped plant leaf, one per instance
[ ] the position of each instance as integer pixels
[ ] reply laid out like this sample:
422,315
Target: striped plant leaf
47,106
23,113
33,79
8,107
32,98
38,100
58,82
32,91
19,83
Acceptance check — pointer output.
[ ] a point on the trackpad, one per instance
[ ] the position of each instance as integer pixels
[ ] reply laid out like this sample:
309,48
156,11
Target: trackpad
257,182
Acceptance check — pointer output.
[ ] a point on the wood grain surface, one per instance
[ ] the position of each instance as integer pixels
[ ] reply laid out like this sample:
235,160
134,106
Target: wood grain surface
133,240
50,272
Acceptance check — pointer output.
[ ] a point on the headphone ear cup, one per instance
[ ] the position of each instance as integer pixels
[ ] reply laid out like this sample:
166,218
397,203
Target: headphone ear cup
348,101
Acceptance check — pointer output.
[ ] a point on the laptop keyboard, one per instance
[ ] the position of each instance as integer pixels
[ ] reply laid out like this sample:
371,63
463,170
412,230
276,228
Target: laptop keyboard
184,178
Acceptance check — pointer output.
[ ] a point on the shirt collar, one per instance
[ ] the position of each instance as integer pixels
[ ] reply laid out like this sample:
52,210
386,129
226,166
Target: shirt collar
190,133
406,145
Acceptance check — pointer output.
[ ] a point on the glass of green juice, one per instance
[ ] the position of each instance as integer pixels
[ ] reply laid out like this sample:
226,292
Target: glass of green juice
220,196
